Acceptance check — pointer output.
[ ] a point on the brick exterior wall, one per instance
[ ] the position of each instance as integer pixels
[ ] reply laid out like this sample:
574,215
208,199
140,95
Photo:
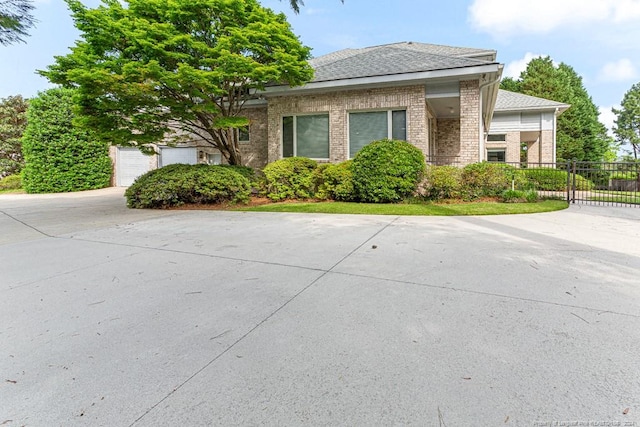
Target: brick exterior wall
447,139
339,104
511,145
254,153
544,142
469,121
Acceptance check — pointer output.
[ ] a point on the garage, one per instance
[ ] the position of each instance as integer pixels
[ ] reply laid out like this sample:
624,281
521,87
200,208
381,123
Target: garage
130,164
171,155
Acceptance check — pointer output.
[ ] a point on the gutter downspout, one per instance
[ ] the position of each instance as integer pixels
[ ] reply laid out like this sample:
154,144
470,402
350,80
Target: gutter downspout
481,125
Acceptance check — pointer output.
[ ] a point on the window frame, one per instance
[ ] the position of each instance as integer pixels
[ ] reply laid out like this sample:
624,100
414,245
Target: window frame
239,135
502,135
295,134
497,150
389,112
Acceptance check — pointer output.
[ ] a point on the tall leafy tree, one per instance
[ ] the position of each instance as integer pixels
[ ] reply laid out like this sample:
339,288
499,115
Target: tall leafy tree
295,5
13,120
627,122
60,156
580,134
15,19
150,69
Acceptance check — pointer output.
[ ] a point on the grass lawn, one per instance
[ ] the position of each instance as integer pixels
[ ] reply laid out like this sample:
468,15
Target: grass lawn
616,196
428,209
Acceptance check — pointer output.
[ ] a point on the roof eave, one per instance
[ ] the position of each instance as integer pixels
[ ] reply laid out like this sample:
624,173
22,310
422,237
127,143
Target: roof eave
560,108
386,80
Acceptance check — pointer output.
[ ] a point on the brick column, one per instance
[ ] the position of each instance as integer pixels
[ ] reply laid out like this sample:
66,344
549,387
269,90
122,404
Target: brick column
469,121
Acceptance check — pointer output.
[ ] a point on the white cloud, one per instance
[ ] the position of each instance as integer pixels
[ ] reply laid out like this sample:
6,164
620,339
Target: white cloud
622,70
507,17
514,68
607,117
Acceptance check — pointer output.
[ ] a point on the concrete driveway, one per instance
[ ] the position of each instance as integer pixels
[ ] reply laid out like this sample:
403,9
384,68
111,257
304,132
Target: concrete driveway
117,317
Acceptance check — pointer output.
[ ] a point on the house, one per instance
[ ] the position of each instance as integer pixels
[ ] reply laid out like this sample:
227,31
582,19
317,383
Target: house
443,99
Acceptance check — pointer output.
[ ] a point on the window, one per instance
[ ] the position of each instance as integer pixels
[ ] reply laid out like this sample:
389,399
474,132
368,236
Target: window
243,135
306,136
370,126
214,158
496,138
496,155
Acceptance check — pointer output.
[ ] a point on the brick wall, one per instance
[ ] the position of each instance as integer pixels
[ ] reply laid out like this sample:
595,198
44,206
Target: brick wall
469,121
339,104
448,138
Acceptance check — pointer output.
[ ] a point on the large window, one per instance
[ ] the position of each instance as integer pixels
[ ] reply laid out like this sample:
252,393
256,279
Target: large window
306,136
496,155
370,126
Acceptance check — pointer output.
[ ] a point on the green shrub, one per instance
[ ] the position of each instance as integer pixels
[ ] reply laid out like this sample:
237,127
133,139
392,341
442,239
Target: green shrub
178,184
289,178
519,196
547,179
441,182
11,182
246,171
60,156
627,175
489,179
335,181
387,171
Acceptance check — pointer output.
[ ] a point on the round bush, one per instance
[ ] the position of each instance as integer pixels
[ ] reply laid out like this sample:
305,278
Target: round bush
335,181
387,171
489,179
177,184
289,178
441,182
11,182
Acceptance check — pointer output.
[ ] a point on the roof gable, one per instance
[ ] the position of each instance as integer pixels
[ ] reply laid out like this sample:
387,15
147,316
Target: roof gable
513,101
398,58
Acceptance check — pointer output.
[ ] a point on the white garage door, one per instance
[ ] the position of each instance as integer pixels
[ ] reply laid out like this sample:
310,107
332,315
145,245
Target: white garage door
171,155
131,163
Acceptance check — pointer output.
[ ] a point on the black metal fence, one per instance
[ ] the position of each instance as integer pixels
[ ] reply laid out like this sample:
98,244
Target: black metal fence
595,183
603,183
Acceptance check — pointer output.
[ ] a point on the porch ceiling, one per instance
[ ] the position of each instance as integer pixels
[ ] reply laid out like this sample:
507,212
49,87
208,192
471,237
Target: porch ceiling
445,108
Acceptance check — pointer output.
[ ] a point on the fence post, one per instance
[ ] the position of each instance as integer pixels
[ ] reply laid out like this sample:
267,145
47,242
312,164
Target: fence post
573,187
568,169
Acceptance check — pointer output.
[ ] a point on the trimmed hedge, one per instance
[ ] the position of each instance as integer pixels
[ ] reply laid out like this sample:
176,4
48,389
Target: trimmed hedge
553,179
177,184
387,171
335,181
59,156
289,178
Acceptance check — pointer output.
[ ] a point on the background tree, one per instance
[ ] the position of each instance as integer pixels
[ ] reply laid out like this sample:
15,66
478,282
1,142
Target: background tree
295,5
627,122
15,20
580,134
60,156
184,66
13,120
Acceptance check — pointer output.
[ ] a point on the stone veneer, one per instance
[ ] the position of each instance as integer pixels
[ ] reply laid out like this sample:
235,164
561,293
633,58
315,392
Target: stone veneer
338,104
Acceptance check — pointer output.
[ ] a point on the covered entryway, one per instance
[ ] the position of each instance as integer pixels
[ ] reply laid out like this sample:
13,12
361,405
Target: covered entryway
130,164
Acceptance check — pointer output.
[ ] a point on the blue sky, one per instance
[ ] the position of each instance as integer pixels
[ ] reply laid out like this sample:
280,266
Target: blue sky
600,39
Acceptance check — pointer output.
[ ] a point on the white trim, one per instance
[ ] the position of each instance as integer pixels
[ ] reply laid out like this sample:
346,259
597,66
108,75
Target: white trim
405,79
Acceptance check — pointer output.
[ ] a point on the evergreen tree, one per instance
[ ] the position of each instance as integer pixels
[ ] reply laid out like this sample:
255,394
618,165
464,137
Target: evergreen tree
13,120
580,134
627,123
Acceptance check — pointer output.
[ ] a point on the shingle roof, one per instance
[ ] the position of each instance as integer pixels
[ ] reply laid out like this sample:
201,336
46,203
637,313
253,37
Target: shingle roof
397,58
516,101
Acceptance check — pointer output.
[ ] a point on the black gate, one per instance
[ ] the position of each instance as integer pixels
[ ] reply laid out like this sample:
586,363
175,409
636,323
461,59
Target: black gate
599,183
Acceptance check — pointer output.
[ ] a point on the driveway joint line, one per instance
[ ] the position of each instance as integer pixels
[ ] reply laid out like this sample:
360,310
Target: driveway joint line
491,294
27,225
263,321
